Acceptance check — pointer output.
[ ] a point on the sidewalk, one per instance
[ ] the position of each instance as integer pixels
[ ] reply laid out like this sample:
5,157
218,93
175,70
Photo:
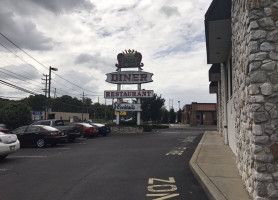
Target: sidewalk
214,166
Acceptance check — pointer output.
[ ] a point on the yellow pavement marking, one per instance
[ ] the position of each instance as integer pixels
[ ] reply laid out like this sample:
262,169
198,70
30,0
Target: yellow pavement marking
176,151
162,191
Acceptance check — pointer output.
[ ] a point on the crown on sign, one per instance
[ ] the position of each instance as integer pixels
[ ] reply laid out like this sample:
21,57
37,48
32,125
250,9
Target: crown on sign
129,52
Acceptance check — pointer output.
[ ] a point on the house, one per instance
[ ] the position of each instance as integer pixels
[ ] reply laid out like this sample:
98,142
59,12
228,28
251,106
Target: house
241,41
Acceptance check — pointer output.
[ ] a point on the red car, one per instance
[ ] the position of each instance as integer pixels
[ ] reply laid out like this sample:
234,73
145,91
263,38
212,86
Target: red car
3,129
86,130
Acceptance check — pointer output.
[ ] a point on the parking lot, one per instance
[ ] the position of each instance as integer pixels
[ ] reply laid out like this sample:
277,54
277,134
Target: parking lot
146,166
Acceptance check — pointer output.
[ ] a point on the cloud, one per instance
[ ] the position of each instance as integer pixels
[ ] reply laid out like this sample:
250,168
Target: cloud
95,61
170,11
82,39
84,58
64,5
30,37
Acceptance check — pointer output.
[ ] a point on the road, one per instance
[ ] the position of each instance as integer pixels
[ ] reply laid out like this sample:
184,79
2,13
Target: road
130,167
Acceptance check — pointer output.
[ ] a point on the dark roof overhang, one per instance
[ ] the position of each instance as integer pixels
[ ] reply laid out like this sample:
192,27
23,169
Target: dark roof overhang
215,72
213,87
218,31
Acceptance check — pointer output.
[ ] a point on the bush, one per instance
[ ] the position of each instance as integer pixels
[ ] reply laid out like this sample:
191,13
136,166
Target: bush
147,128
160,126
15,115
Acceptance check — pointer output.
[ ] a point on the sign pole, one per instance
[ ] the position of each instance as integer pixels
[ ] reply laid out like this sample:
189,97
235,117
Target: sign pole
118,101
139,102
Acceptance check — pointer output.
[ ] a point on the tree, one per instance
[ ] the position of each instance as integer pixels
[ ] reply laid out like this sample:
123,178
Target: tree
165,115
172,116
66,103
179,115
36,102
151,108
15,114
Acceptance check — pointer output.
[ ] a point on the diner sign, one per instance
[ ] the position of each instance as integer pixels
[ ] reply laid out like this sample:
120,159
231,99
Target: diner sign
129,77
113,94
128,107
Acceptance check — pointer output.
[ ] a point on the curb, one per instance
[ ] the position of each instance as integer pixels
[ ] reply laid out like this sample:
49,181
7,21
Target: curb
212,192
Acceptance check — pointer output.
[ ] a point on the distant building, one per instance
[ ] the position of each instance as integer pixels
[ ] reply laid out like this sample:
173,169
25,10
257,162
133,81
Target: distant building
66,116
199,113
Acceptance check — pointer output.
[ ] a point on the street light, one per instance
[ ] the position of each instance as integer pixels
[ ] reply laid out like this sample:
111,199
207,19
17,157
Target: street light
179,105
50,69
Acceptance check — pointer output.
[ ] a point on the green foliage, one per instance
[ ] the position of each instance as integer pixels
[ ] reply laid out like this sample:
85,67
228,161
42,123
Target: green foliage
151,108
160,126
36,102
15,114
66,103
165,116
179,115
172,116
147,128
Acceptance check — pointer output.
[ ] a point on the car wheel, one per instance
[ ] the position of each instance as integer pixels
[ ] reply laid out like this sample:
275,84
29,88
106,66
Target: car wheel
40,142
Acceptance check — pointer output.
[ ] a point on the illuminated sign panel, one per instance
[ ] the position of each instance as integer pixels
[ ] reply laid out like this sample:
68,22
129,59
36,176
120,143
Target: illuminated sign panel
113,94
129,77
128,107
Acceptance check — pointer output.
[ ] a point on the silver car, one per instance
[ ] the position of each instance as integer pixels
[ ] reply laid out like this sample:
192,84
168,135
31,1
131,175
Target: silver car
8,144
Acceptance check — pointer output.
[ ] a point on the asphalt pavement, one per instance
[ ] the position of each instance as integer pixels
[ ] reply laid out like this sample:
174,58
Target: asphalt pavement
119,167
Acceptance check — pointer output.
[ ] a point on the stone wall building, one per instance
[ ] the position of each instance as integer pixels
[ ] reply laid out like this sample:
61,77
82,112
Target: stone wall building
242,38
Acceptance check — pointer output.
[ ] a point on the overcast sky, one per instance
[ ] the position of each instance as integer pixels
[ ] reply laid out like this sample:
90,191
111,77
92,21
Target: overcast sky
82,39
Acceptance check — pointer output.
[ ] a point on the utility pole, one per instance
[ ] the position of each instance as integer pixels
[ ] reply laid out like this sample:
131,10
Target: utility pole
55,93
170,100
105,110
46,79
49,83
50,69
45,92
82,105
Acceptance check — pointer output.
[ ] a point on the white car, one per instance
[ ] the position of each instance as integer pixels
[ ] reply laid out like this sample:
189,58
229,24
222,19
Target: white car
8,144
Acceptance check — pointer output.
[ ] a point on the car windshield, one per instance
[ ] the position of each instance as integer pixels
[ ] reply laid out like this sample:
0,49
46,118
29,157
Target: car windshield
19,130
96,124
49,128
59,123
87,125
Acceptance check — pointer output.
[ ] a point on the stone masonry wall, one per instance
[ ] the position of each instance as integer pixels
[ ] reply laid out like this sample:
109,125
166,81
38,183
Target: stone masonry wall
255,94
223,101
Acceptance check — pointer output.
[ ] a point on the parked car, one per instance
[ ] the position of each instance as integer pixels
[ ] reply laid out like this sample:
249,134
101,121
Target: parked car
70,131
86,129
3,128
102,128
8,144
39,135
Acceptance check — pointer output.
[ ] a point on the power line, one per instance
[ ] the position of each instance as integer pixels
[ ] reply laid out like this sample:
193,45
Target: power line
17,84
17,87
15,76
19,57
41,63
9,65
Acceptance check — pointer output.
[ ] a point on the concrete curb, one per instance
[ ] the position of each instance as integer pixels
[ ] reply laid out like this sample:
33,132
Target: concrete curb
210,189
